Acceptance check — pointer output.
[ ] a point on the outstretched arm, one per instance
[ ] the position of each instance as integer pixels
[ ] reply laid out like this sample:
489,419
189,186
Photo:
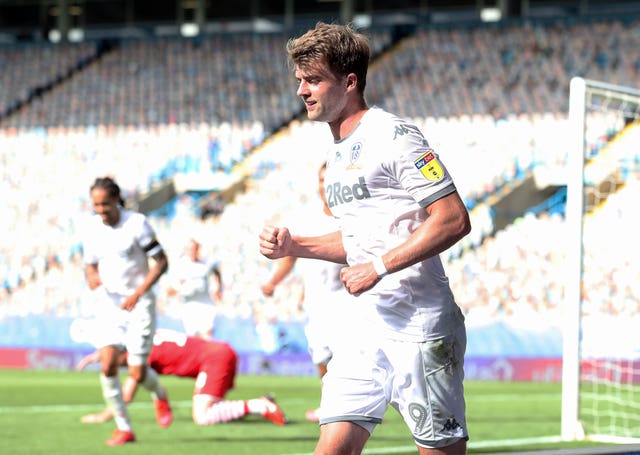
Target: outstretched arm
94,357
277,242
129,389
159,265
283,269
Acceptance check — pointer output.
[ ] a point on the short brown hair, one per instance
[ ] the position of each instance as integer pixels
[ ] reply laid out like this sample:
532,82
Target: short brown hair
341,47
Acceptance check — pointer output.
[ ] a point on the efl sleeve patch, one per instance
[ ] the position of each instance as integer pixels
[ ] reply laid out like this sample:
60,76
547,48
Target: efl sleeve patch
429,166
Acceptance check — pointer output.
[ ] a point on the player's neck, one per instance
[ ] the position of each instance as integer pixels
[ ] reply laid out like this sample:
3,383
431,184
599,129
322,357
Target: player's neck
347,124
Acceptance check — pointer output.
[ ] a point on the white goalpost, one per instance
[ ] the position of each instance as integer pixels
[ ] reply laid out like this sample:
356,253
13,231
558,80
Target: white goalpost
601,331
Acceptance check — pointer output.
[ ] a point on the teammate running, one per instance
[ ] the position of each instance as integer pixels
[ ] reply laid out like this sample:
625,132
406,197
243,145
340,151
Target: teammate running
123,260
190,276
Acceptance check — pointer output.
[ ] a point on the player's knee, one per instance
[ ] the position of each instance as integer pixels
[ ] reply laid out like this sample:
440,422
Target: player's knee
109,370
452,446
199,418
198,413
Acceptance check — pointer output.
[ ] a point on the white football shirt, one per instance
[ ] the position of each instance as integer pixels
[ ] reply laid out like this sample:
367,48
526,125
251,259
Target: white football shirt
192,279
377,183
121,251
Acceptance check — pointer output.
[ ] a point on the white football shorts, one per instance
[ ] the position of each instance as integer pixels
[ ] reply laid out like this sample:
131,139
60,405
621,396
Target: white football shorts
422,381
131,329
320,334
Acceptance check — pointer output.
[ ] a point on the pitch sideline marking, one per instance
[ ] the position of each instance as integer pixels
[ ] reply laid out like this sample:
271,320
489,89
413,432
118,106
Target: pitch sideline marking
84,406
78,407
471,445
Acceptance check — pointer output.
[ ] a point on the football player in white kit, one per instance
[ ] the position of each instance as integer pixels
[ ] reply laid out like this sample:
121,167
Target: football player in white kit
191,282
324,296
117,246
398,209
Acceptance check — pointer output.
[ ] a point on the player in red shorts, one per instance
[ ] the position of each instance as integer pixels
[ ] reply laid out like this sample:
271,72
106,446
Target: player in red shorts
212,364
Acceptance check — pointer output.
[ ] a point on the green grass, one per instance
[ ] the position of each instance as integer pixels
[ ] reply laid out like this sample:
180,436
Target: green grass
40,412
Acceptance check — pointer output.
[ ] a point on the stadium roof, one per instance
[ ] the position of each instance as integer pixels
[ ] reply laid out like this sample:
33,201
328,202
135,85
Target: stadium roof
33,20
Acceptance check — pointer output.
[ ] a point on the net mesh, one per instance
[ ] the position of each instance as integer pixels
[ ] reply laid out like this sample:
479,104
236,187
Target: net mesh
610,289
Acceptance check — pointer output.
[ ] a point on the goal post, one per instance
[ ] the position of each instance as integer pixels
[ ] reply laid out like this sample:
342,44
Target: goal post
570,427
601,360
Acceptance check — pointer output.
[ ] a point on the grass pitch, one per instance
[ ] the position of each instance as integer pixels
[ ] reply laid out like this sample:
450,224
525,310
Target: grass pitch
40,414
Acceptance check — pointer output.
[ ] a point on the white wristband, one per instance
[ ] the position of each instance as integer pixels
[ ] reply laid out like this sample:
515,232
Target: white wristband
378,265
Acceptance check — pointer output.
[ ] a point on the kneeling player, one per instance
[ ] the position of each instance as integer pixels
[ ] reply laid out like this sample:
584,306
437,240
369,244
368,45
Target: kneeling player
212,363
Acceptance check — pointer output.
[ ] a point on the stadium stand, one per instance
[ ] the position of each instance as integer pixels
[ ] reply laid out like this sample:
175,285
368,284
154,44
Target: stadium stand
31,69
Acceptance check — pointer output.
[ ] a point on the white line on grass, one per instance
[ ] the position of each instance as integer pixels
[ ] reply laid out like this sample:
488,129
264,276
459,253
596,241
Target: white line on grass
509,397
83,407
77,407
471,445
515,442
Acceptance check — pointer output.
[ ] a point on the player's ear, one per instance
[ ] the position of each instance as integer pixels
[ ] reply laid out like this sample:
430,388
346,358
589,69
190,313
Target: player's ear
352,81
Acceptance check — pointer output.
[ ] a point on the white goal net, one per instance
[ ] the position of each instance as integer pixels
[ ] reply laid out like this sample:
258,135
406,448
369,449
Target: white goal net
601,359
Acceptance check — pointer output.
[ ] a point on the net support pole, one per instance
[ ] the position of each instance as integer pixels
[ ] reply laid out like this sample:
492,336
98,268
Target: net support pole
571,429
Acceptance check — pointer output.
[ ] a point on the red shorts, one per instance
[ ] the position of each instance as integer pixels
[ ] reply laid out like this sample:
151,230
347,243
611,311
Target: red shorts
217,374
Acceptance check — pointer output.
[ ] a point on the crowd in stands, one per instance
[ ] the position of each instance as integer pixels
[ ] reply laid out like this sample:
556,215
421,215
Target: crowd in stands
503,69
492,101
29,69
234,79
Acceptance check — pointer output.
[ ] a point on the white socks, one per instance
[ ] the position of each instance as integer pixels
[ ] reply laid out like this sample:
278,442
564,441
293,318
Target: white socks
112,393
257,406
152,384
223,411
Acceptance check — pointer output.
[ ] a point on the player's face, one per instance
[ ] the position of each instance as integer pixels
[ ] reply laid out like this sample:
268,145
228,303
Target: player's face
193,250
105,206
323,93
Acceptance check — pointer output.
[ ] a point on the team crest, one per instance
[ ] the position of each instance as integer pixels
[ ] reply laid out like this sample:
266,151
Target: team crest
429,166
354,155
